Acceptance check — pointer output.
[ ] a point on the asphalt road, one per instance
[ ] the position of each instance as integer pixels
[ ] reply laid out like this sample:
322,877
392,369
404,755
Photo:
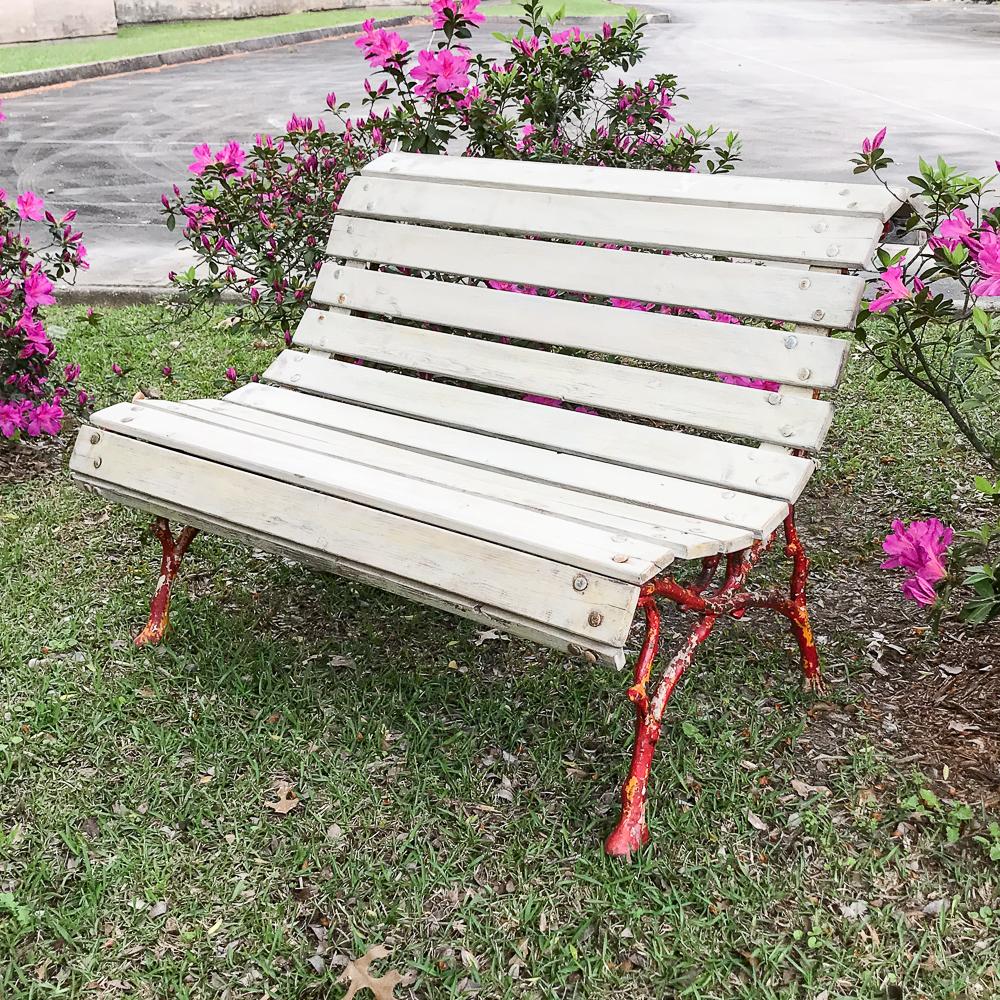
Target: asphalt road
801,80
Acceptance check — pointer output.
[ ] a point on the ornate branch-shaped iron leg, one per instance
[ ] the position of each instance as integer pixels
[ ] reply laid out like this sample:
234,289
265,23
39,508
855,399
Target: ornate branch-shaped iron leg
798,612
173,552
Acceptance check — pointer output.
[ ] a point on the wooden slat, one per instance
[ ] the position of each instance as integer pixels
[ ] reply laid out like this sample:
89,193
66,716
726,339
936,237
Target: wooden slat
805,238
707,405
815,361
378,547
615,553
687,537
562,431
732,190
742,289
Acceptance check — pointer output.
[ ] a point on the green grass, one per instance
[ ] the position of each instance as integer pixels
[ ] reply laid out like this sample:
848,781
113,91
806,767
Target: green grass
453,796
147,38
573,8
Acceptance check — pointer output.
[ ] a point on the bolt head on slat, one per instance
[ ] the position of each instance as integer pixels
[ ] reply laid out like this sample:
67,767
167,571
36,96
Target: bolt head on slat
804,284
791,342
818,314
774,399
94,438
594,619
620,557
833,250
786,431
580,582
805,373
97,462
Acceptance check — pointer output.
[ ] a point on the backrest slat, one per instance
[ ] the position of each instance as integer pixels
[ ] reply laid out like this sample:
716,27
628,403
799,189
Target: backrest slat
684,341
805,237
776,293
723,190
641,392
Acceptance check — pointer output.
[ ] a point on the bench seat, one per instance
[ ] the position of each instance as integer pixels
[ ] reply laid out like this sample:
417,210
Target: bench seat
498,530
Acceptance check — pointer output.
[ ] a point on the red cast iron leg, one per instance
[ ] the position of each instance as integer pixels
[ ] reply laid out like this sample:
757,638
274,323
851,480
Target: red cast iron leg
173,552
797,612
632,832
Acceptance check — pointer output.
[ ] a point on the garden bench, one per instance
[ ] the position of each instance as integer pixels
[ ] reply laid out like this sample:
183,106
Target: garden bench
424,472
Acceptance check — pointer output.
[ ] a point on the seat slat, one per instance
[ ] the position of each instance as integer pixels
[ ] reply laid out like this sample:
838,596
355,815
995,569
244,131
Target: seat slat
800,237
810,360
563,431
542,534
687,537
708,405
766,292
732,190
362,541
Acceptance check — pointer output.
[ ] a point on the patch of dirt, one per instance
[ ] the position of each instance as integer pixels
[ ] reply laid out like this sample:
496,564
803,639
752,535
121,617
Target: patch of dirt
931,701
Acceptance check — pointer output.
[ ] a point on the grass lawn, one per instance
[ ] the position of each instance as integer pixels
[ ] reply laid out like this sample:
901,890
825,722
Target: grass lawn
143,39
454,788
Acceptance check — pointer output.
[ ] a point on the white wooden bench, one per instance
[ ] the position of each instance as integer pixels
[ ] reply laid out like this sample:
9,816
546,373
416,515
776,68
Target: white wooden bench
452,490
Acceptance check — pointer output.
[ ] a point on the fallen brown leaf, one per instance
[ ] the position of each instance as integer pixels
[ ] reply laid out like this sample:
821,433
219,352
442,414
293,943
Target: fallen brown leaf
287,799
359,977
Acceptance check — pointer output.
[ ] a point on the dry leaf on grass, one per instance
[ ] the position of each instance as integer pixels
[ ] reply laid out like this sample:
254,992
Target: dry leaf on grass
756,822
359,977
287,799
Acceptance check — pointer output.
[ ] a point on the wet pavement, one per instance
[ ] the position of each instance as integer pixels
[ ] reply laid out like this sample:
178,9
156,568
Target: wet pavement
801,80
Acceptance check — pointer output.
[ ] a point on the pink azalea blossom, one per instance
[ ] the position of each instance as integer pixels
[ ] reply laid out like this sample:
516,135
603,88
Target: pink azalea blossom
870,145
71,373
441,72
748,383
379,47
463,9
43,418
202,158
231,375
897,291
231,157
563,39
543,400
167,371
37,289
953,230
3,117
526,46
116,368
10,419
986,252
919,548
30,206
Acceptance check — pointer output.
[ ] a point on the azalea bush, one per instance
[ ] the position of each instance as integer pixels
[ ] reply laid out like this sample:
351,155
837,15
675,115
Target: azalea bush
928,325
258,218
36,251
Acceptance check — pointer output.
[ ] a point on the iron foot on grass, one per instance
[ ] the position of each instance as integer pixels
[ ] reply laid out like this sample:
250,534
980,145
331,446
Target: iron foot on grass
173,552
729,598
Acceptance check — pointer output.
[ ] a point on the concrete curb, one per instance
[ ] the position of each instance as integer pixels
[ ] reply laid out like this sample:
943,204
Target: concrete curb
12,83
31,79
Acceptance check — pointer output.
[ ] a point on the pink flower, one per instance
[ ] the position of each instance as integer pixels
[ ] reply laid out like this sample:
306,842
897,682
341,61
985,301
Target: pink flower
986,252
543,400
526,46
202,158
525,143
379,47
440,72
897,291
749,383
116,368
83,397
37,289
3,117
10,419
562,39
231,158
870,145
231,375
919,548
464,10
167,371
30,206
71,373
331,100
45,418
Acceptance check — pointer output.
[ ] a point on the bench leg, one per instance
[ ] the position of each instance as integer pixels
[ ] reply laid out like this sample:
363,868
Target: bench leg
170,563
797,611
632,832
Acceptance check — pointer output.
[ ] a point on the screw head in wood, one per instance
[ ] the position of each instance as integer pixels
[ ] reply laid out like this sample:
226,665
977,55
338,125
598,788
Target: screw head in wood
804,284
595,618
341,298
786,431
791,342
94,438
818,314
580,582
620,557
774,399
805,373
97,462
833,250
